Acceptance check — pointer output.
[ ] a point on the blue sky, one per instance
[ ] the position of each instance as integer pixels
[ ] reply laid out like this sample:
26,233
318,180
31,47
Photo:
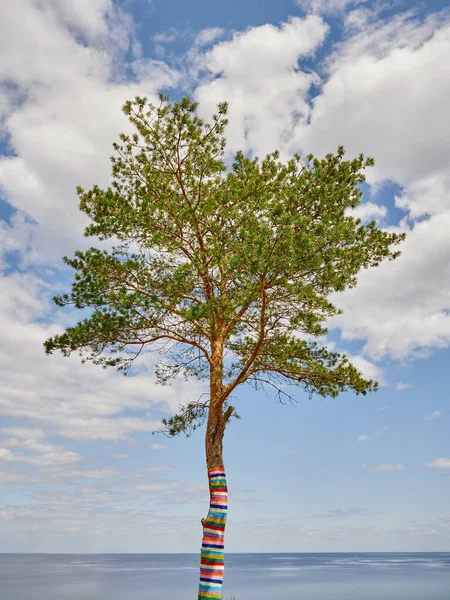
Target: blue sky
79,468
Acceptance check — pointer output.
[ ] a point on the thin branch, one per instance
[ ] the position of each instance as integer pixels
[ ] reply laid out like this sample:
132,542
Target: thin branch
251,359
169,336
280,392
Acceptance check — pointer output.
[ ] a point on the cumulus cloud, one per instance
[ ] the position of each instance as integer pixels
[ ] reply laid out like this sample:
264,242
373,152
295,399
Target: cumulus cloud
257,73
384,92
158,447
91,19
63,101
384,88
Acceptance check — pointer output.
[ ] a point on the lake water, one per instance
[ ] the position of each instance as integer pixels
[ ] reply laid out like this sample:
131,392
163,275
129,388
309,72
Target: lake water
247,576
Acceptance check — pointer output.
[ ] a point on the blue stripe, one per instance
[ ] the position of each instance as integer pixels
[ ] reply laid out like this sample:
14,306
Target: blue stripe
211,580
212,545
224,506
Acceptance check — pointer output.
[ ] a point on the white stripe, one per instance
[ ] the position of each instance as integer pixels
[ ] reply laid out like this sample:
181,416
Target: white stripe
213,531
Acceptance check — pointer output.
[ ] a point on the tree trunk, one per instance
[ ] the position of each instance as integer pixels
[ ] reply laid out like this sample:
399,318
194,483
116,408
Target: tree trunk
212,557
212,551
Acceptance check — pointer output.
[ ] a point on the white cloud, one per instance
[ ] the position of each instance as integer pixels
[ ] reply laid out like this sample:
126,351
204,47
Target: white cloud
384,93
257,73
64,91
359,18
367,368
6,477
401,308
439,463
326,6
63,99
368,211
427,196
384,83
158,447
402,386
78,401
365,436
57,458
385,467
166,37
390,467
35,451
208,36
54,462
30,440
85,16
433,416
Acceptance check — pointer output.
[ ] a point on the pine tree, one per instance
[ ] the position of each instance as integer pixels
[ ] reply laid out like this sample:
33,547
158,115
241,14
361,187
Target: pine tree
225,271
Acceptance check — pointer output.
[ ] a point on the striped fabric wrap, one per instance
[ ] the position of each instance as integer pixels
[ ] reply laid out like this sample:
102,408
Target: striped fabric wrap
212,559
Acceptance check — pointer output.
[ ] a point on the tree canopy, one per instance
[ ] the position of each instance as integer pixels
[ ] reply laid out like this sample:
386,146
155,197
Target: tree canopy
226,271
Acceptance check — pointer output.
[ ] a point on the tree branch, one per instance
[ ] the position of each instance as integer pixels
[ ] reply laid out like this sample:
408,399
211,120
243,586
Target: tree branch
242,376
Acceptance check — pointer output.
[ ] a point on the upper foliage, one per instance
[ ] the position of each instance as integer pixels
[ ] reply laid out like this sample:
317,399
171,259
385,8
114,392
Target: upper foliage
226,272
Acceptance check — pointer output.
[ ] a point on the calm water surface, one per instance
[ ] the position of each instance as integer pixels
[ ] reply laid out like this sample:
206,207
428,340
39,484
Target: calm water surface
247,576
